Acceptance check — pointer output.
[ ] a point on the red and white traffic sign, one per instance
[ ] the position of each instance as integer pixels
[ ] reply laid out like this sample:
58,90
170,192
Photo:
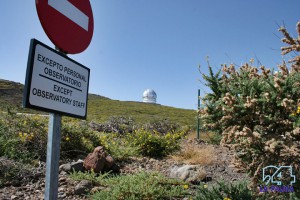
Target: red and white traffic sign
69,24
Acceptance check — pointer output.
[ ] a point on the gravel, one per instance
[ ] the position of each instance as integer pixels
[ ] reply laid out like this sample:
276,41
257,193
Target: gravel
31,185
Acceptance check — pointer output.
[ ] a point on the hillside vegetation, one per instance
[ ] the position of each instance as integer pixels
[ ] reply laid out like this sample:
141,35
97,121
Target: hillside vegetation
10,93
101,109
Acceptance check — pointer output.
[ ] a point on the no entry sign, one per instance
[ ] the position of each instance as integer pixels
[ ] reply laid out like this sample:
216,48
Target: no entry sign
69,24
55,83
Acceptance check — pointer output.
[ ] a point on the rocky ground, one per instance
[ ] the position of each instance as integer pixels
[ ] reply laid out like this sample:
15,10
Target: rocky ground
29,185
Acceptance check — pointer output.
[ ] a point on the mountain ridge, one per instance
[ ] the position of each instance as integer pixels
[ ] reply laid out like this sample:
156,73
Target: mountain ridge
102,108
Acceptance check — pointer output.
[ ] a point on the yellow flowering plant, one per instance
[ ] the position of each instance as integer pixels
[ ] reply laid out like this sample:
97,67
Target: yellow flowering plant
77,138
296,117
22,137
186,186
154,144
117,145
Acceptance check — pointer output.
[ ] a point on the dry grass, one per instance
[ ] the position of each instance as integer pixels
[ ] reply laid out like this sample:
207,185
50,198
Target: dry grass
207,136
195,154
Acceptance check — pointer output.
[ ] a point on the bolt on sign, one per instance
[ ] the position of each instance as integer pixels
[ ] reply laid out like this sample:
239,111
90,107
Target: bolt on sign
55,83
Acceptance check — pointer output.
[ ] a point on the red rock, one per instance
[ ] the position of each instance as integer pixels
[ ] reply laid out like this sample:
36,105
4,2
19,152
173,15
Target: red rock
95,161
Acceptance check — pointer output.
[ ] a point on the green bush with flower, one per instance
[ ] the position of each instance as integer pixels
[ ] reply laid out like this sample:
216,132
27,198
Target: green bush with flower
117,145
154,144
257,112
295,116
22,137
77,138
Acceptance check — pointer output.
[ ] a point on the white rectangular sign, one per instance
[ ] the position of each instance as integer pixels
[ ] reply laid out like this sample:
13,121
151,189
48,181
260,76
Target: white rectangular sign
55,83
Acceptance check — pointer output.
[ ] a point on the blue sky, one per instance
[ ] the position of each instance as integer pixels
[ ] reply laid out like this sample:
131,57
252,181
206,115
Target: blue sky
157,44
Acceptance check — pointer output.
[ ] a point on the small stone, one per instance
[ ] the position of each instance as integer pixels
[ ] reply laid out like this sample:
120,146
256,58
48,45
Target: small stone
62,179
77,166
83,187
206,179
65,167
13,197
190,173
63,173
61,189
109,161
62,196
19,194
221,168
97,189
115,168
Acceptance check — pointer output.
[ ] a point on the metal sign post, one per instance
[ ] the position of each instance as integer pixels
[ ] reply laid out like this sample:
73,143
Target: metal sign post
53,154
198,124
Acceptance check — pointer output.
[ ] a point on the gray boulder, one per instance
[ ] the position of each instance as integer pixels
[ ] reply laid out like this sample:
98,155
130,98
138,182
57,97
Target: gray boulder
73,166
77,166
191,173
83,187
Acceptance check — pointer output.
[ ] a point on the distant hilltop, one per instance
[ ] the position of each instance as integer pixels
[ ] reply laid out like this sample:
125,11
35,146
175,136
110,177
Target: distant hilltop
6,84
10,92
101,108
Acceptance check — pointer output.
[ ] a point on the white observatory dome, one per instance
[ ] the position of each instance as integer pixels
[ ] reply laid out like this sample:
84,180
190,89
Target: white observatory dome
149,96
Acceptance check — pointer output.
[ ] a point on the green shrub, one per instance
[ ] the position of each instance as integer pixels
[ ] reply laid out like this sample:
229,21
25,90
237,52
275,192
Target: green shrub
211,137
121,124
255,110
162,126
154,144
14,173
95,178
222,191
142,186
119,146
211,115
77,138
296,117
23,137
140,143
257,121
